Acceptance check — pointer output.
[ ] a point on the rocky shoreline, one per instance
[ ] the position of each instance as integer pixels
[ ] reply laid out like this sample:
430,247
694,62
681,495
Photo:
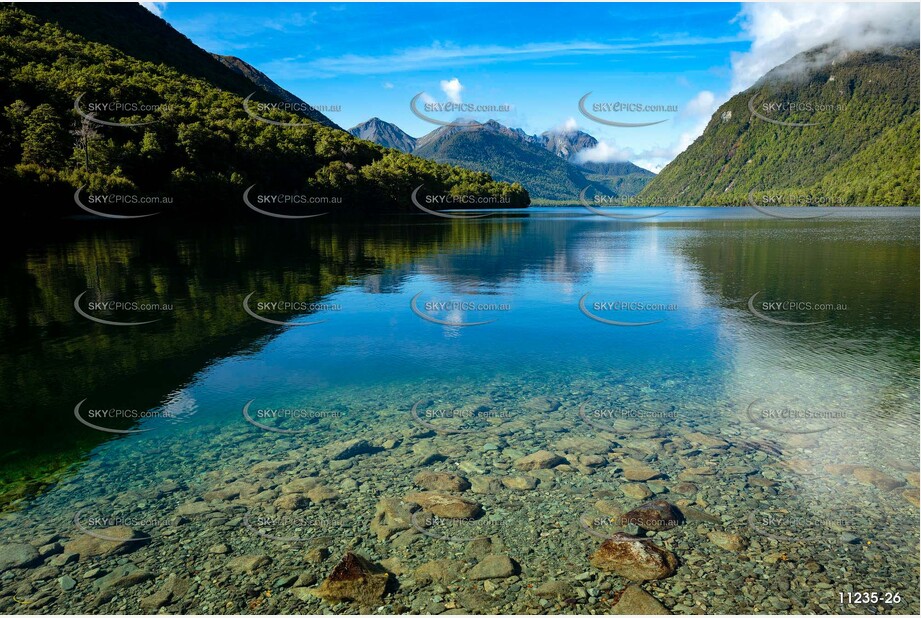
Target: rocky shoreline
530,515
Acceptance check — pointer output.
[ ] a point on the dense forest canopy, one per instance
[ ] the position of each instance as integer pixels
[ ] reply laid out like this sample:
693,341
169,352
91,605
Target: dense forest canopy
189,138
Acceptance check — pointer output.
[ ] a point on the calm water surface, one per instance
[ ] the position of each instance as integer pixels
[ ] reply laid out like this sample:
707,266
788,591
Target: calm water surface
475,328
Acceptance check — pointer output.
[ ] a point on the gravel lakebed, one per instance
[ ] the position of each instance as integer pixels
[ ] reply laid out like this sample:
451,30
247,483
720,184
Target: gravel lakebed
543,510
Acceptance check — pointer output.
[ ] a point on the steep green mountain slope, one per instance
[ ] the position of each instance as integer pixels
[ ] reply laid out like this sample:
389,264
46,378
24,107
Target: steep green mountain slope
624,178
136,32
198,145
861,151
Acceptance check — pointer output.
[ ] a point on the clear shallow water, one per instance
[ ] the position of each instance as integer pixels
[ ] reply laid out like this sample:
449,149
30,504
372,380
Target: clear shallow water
791,392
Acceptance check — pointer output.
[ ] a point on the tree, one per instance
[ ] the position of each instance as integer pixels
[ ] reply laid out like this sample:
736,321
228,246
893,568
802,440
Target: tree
85,133
44,138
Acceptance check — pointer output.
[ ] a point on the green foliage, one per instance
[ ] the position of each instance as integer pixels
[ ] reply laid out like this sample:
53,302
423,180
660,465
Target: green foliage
863,151
42,134
194,141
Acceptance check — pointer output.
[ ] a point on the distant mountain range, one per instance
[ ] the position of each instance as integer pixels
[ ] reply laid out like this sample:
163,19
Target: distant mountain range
827,127
547,165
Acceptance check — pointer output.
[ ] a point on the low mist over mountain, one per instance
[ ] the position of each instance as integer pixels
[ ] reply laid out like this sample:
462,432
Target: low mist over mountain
624,178
546,164
825,128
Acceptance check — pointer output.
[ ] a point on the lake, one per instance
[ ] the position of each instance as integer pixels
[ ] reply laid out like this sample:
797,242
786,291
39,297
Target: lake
261,390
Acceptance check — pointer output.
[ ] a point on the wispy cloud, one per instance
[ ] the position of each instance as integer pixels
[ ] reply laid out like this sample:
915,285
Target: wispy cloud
224,33
286,23
446,55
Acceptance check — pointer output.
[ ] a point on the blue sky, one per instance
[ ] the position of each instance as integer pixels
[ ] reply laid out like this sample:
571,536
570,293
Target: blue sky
540,59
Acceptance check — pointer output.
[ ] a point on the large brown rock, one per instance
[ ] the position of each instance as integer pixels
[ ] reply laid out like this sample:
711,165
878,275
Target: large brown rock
445,505
539,461
392,515
106,542
485,485
656,515
353,579
635,470
300,485
520,483
634,558
173,589
542,404
349,449
443,571
877,478
495,566
441,481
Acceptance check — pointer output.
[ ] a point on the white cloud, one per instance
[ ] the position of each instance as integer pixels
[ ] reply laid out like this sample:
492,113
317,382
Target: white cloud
452,89
388,85
604,152
694,115
448,56
607,151
691,122
704,104
780,31
156,8
568,126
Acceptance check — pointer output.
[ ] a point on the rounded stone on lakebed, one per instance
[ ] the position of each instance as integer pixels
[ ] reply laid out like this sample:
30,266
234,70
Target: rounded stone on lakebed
495,566
727,540
520,483
634,558
441,481
657,515
17,555
106,542
445,505
637,491
540,460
